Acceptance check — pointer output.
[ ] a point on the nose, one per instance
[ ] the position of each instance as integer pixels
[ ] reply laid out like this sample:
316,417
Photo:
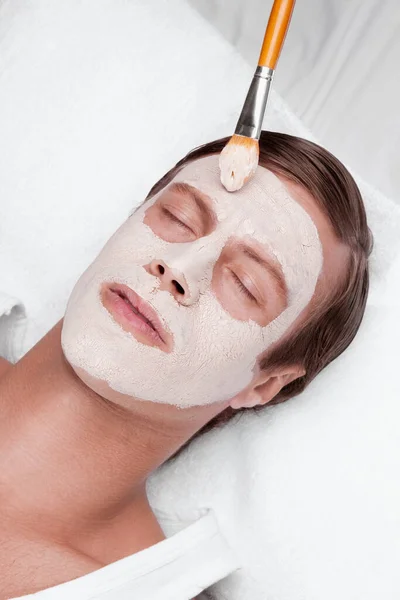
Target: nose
173,281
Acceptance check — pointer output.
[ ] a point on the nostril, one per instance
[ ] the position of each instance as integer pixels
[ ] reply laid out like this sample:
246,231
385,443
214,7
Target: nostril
178,286
161,269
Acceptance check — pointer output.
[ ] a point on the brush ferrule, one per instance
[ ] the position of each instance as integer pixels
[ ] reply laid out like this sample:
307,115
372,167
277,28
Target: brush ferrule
252,115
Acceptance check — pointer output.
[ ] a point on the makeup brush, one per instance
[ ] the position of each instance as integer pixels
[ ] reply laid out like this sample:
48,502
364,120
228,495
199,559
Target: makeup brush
239,159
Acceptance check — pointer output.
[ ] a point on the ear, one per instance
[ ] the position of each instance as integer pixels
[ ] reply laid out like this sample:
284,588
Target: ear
265,386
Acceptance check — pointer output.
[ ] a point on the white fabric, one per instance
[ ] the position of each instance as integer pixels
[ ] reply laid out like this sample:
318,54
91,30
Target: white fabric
12,327
308,492
177,568
99,98
338,72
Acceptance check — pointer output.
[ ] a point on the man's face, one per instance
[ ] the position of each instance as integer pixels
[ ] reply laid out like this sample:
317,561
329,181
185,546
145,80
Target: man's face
193,288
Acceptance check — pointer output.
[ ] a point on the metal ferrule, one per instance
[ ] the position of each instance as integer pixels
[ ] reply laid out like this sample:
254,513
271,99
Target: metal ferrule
252,115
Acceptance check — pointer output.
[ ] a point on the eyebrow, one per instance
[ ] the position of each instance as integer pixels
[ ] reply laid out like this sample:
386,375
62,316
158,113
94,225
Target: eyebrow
185,189
271,267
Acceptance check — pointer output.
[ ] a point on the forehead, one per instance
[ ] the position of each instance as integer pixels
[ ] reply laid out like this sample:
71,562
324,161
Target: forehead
263,209
263,191
265,194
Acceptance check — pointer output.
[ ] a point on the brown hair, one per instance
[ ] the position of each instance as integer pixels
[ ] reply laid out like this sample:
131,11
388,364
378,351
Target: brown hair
329,330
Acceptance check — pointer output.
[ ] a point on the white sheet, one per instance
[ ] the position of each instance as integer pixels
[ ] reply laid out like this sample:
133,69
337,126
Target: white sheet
309,491
99,98
338,72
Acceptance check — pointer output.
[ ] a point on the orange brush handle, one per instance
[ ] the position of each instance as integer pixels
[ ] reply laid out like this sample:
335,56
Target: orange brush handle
275,34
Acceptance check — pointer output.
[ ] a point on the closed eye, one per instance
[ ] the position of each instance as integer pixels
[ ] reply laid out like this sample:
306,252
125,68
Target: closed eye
174,219
243,288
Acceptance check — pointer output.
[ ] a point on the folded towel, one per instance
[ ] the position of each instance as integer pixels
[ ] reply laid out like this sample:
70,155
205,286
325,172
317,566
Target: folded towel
308,491
12,327
99,98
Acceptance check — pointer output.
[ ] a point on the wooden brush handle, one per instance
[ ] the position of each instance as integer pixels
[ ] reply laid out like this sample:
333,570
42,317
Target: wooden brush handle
275,33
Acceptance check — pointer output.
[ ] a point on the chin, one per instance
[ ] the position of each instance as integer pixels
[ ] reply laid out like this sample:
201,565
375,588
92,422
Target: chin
102,389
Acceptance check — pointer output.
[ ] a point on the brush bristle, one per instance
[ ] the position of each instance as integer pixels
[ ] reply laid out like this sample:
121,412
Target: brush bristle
238,162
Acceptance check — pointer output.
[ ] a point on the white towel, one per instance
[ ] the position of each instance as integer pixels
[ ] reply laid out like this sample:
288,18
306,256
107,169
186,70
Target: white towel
12,327
308,491
99,98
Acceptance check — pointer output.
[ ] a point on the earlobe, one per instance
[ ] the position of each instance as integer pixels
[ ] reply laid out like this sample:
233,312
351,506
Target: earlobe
247,400
265,387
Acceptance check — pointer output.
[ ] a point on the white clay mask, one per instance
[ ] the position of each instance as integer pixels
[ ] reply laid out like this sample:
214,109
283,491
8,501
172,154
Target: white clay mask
214,345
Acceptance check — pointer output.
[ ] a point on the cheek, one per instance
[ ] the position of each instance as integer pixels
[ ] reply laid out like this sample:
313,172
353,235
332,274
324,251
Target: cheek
133,243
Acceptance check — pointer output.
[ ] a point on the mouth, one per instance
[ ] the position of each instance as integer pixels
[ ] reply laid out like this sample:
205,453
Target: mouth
135,315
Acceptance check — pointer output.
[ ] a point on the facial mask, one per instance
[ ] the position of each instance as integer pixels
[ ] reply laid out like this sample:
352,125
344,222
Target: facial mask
214,355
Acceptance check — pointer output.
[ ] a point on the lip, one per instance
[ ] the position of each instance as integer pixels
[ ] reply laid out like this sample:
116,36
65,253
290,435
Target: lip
135,315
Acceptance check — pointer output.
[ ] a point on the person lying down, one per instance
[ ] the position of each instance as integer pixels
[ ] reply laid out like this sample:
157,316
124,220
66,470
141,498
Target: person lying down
203,304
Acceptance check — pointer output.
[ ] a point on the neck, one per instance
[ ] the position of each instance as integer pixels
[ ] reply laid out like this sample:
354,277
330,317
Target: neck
73,462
